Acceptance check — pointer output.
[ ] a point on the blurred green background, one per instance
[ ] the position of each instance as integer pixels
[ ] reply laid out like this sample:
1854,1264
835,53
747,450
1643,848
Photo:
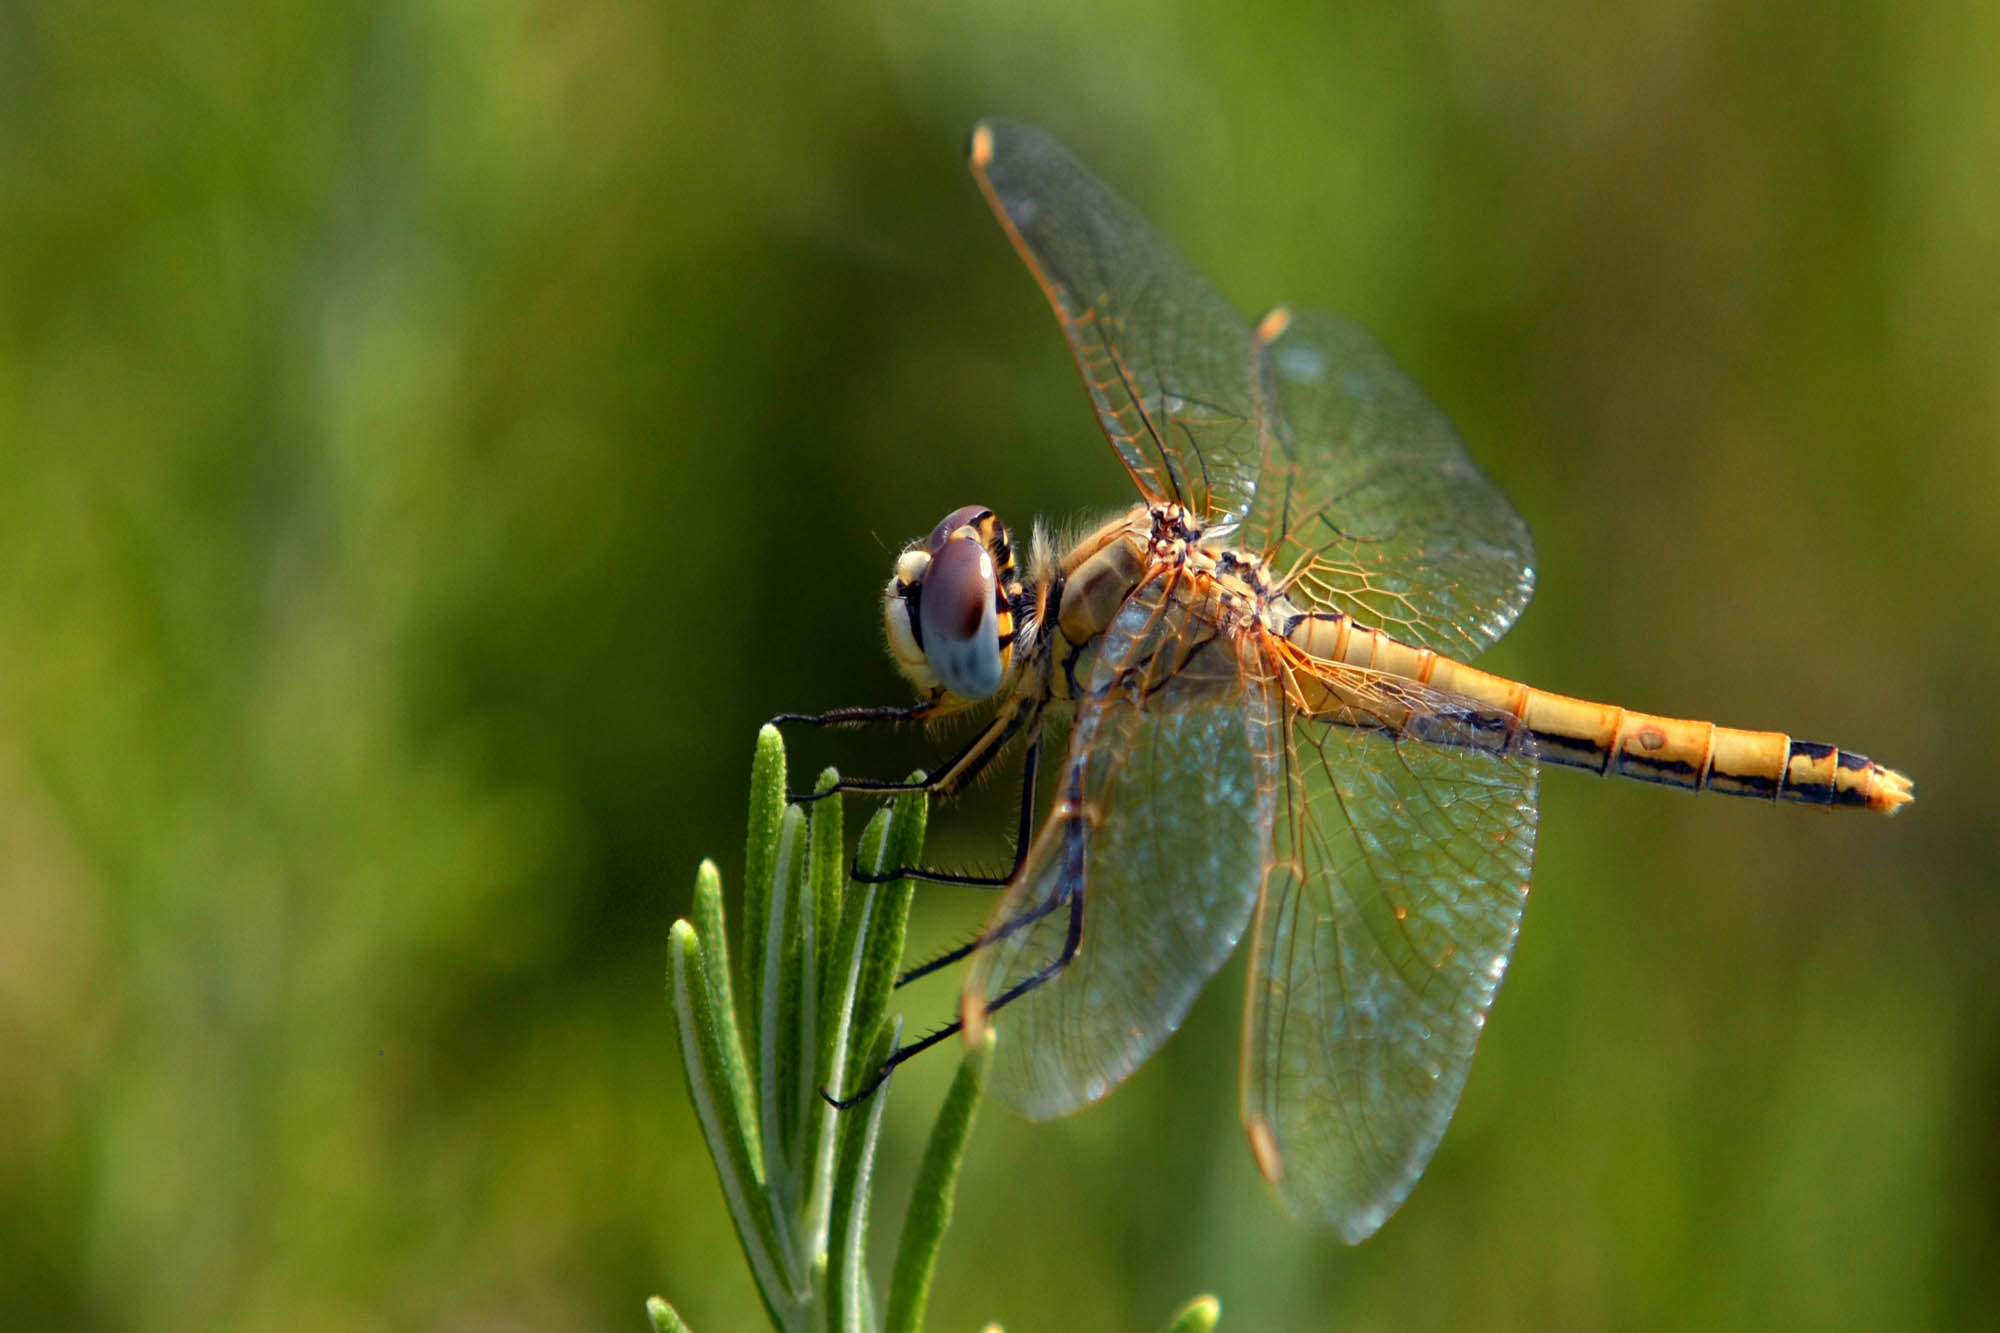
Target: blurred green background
432,437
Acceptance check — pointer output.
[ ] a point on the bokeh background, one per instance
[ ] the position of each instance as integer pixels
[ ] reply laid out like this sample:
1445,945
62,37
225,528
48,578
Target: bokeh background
433,436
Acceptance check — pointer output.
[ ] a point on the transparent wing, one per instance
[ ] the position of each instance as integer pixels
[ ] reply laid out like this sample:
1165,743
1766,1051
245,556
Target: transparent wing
1174,372
1400,871
1370,504
1318,448
1154,851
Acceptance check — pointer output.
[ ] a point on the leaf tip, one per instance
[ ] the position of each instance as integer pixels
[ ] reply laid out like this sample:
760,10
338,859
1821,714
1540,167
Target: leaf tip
1199,1315
665,1318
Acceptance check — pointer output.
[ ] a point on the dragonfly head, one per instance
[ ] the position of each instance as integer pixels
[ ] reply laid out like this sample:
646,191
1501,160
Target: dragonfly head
949,607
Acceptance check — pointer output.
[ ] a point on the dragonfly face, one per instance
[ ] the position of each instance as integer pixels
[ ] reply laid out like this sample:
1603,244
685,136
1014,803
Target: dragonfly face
949,608
1272,732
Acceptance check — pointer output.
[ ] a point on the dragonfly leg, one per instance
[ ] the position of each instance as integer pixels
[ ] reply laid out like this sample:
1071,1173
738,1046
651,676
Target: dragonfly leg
1069,892
896,1057
1023,833
847,717
983,939
947,780
855,717
943,780
1071,939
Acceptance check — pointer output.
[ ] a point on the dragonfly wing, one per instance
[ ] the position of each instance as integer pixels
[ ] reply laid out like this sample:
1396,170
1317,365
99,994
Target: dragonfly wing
1400,871
1369,503
1316,446
1154,850
1176,376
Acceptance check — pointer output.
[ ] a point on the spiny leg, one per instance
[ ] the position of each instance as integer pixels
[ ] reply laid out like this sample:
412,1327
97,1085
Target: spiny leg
1024,832
985,938
1069,890
950,777
943,781
854,717
847,717
1072,937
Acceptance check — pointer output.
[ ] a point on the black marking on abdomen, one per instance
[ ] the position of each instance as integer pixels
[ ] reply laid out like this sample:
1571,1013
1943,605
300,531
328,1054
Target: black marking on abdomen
1555,748
1493,730
1292,622
1668,772
1811,791
1743,784
1853,763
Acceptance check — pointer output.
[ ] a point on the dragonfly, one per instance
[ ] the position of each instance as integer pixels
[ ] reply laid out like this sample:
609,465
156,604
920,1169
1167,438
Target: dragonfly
1272,729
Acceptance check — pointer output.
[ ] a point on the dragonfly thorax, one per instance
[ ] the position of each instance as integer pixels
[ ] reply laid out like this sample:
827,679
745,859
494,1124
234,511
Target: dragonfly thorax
949,607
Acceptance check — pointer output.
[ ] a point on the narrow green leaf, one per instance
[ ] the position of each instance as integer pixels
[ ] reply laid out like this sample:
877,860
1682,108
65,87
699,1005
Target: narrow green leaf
857,912
704,1059
777,983
901,843
714,939
1197,1316
760,849
859,1130
820,927
829,868
891,838
822,1309
665,1318
930,1200
837,1008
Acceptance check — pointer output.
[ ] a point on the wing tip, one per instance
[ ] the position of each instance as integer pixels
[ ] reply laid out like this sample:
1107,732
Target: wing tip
1274,323
972,1012
979,148
1264,1147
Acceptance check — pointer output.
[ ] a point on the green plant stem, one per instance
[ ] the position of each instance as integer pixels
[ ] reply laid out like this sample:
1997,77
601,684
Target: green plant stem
930,1198
804,1006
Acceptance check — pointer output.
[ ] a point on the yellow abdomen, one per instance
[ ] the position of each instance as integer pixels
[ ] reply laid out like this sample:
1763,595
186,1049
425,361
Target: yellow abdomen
1605,738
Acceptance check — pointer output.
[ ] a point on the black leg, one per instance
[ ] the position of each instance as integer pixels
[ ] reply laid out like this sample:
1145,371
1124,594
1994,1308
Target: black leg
854,717
1024,832
985,938
845,717
1069,890
943,780
947,779
1071,939
896,1057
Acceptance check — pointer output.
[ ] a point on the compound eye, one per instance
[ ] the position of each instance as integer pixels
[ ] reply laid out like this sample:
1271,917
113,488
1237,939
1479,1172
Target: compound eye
964,516
957,620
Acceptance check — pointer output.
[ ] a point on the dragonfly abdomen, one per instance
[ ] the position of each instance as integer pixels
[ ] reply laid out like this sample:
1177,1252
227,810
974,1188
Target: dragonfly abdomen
1701,756
1607,739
